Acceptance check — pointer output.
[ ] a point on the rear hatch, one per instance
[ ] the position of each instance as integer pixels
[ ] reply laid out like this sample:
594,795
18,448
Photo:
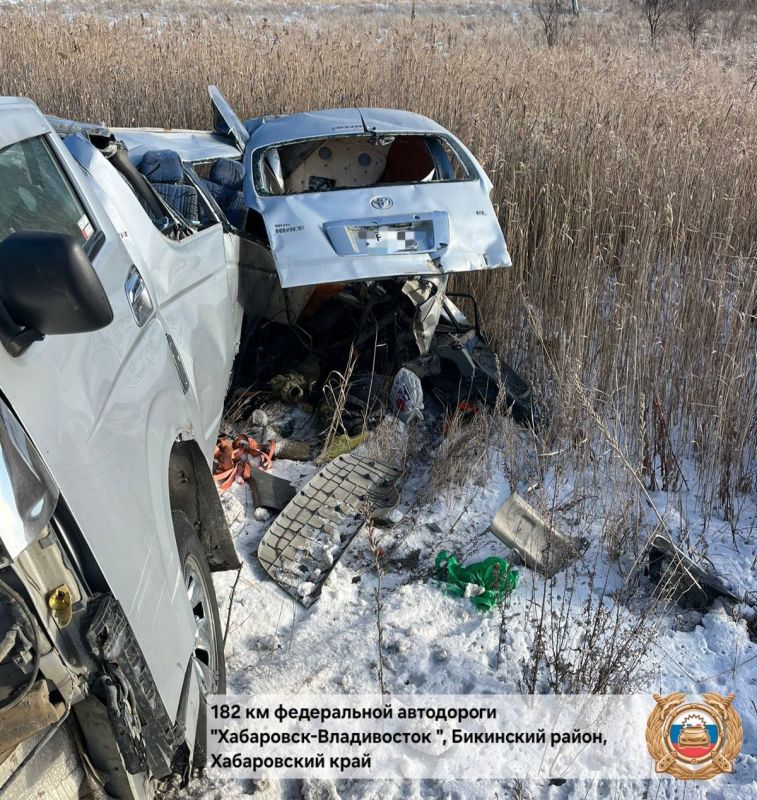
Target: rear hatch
323,237
424,224
426,214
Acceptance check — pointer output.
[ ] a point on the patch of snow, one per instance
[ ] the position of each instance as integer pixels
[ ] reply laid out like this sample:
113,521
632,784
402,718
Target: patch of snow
436,643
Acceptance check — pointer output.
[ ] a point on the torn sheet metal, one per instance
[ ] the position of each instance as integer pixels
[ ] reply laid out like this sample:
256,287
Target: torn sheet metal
305,541
190,145
541,546
266,131
428,298
225,121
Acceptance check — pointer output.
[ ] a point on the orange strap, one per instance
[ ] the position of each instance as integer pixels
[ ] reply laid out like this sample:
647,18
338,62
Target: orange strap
231,459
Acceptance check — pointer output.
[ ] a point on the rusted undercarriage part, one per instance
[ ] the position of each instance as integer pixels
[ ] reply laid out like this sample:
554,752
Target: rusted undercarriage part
54,770
300,548
35,712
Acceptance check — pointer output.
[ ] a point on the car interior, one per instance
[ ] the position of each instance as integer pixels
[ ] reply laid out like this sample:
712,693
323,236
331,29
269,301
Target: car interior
348,162
176,184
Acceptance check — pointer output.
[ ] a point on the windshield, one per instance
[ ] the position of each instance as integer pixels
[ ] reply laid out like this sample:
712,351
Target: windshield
352,162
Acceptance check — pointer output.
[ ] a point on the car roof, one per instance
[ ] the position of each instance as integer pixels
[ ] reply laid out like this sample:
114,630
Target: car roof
190,145
265,131
21,119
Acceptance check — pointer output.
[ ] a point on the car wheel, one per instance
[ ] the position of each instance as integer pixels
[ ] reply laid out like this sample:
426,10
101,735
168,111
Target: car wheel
208,657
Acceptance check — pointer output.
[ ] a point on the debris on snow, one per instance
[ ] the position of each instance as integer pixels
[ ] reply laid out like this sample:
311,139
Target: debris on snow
261,514
678,578
541,546
300,548
485,583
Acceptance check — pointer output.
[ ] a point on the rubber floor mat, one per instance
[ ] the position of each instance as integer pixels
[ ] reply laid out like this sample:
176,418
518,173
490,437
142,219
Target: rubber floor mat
300,548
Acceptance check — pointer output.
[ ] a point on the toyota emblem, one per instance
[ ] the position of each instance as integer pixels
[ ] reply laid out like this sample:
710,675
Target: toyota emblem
382,203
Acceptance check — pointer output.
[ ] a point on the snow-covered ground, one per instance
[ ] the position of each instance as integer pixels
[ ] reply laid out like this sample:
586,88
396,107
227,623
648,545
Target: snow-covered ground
435,643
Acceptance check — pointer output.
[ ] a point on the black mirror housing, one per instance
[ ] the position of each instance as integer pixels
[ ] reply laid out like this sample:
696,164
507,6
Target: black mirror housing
48,285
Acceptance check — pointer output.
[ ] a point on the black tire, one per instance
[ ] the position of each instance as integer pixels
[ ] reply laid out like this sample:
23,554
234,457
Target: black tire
208,655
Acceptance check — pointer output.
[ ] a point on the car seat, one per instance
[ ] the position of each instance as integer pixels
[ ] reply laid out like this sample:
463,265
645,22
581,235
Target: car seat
164,171
224,183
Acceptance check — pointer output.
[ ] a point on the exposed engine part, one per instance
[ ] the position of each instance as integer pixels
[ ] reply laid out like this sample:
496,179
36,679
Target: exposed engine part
144,731
291,387
45,566
60,603
19,648
301,547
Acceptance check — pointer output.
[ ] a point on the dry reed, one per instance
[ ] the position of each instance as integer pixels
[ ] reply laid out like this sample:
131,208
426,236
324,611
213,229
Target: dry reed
625,178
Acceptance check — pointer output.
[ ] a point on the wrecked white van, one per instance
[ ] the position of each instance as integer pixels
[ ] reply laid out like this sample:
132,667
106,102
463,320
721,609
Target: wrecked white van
146,277
332,211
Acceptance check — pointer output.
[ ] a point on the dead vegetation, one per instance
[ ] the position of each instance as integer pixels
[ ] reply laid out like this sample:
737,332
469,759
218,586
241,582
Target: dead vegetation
625,179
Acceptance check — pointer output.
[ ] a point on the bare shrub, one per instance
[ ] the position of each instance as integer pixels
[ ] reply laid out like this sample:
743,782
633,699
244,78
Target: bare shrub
463,454
335,391
657,14
377,556
694,14
551,14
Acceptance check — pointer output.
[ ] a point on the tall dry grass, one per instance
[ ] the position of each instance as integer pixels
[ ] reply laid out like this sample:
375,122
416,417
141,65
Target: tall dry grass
625,179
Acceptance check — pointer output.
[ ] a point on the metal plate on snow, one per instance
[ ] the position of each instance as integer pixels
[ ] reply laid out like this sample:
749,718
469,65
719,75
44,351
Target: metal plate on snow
300,548
541,546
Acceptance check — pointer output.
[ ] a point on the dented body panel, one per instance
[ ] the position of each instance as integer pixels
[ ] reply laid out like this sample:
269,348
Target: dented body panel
190,145
303,228
298,230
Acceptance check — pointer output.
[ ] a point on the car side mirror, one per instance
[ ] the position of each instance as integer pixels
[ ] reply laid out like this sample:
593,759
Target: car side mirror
48,286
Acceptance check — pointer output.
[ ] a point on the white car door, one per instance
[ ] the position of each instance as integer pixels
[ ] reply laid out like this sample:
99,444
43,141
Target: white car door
193,286
104,410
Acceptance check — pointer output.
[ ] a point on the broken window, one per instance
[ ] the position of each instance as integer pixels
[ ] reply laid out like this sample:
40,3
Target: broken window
352,162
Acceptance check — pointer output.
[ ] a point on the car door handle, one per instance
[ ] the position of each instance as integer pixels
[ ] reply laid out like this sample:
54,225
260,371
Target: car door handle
138,296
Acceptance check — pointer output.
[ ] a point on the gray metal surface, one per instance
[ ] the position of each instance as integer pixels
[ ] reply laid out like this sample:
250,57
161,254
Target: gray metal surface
265,131
301,547
190,145
21,120
541,546
28,493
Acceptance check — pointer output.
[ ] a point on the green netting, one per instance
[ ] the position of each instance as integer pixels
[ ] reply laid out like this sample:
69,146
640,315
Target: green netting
494,577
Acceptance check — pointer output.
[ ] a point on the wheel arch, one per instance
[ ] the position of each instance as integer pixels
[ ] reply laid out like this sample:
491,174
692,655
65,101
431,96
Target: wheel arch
192,491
